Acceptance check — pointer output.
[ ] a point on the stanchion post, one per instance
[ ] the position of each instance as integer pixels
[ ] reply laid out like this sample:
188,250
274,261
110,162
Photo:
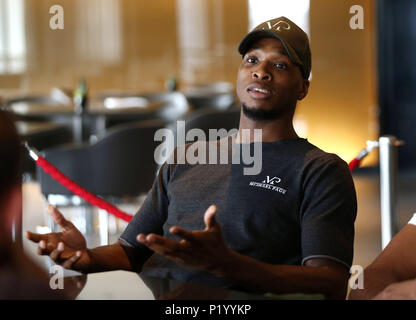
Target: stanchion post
78,128
388,179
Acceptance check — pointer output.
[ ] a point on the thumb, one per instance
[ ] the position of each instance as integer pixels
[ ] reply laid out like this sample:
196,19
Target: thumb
58,218
209,217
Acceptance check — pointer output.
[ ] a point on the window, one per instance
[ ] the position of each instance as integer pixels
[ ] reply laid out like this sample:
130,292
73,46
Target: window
262,10
12,37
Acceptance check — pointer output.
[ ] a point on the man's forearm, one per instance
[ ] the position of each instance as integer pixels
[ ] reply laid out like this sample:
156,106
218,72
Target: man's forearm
327,280
104,258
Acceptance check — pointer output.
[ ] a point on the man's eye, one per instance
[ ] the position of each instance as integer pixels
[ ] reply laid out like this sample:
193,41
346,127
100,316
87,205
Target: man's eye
251,59
281,66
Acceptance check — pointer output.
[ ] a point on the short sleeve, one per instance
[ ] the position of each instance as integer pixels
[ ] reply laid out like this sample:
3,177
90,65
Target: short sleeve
328,211
149,219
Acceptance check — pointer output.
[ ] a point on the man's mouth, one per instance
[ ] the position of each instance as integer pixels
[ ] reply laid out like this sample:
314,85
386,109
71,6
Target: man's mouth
259,92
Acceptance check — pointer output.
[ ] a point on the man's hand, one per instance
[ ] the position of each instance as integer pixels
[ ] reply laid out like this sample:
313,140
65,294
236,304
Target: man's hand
64,248
405,290
202,249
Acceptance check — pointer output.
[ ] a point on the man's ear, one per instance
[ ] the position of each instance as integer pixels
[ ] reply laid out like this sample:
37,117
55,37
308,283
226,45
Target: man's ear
304,89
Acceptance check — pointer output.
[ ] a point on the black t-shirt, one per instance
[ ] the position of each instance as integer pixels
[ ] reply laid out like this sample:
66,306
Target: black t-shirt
301,205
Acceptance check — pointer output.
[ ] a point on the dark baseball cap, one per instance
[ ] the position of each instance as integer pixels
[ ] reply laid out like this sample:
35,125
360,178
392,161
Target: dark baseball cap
293,38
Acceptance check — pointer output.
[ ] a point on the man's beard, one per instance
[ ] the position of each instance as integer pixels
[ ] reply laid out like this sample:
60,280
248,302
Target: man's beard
259,114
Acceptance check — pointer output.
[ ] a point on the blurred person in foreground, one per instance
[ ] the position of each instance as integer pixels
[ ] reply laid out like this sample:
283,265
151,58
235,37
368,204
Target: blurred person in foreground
20,277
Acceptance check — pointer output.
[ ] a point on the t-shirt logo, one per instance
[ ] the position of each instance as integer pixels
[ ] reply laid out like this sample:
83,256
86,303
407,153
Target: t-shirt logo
272,181
269,183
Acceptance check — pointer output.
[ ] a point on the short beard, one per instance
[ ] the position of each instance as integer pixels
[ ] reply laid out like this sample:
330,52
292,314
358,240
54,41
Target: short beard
260,115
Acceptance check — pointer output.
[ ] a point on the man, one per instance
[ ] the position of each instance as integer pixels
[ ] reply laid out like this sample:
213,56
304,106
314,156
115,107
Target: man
289,229
392,275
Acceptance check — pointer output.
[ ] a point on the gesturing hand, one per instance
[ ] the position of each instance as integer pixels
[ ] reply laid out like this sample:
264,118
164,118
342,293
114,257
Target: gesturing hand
65,247
201,249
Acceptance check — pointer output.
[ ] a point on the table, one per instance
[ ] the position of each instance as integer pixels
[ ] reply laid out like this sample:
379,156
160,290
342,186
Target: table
91,122
167,289
30,130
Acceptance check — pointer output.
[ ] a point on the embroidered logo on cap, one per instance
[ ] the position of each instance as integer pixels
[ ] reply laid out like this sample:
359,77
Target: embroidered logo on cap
278,25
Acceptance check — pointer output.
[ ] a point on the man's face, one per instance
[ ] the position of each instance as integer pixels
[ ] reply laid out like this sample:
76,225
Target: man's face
268,81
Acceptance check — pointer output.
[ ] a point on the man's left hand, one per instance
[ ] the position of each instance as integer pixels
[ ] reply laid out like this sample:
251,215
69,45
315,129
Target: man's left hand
201,249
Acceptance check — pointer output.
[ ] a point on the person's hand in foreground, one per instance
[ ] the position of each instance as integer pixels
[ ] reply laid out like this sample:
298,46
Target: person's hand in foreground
65,247
405,290
201,249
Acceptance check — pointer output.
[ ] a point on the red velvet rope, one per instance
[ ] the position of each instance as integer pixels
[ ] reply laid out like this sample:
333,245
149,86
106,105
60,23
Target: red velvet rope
78,190
355,163
98,202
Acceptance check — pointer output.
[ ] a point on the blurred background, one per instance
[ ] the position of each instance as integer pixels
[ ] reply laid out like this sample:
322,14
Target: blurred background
136,46
122,68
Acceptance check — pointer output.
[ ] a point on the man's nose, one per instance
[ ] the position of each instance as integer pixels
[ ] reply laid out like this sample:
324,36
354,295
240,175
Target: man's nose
261,73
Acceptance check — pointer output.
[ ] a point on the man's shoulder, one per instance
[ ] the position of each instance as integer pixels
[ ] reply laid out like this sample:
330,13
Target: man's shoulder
319,161
316,154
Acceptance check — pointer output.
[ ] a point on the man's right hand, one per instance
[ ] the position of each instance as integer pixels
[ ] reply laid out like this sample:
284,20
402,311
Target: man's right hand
67,248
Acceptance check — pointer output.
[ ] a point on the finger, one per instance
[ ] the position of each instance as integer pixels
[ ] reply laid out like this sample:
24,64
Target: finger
161,241
166,247
184,234
176,255
209,217
152,239
55,255
141,238
69,262
35,237
58,218
46,247
158,243
42,250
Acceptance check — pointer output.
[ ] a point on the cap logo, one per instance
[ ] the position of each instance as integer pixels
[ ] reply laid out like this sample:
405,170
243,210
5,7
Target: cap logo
278,25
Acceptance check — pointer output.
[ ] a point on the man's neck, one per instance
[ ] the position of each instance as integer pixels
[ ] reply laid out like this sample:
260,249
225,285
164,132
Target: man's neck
273,130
